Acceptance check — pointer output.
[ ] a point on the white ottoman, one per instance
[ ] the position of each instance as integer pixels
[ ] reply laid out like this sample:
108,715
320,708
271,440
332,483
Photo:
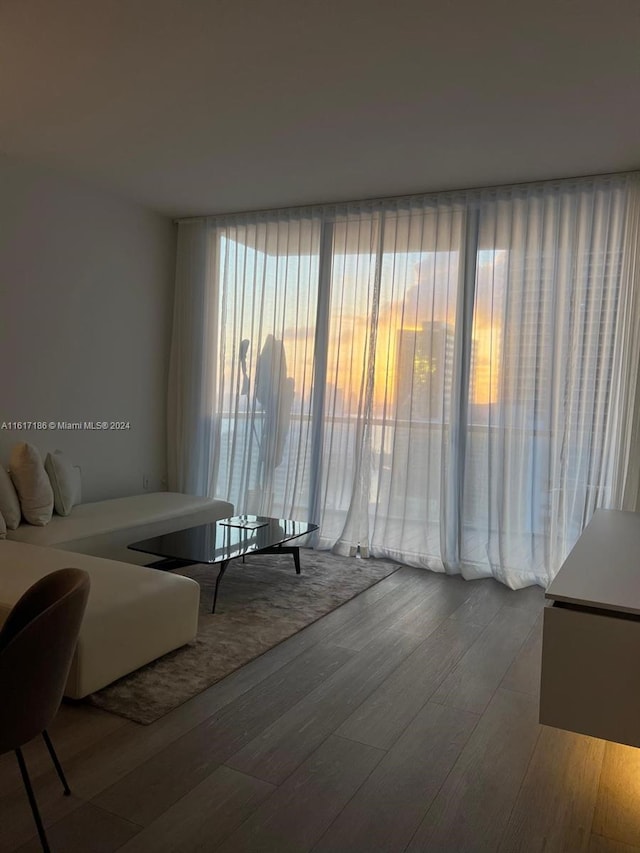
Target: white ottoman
134,614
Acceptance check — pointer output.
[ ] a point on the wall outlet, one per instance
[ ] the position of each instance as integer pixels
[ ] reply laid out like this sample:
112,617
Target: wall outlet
145,482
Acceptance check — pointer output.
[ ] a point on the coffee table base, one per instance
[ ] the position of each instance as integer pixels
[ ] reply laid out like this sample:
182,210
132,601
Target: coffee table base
273,549
285,549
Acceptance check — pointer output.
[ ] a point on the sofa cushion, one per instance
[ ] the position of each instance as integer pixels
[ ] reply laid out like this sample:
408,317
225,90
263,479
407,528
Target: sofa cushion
9,503
32,484
65,482
3,527
134,615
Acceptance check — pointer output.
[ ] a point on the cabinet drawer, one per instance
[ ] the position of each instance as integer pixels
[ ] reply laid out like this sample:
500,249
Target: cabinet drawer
590,681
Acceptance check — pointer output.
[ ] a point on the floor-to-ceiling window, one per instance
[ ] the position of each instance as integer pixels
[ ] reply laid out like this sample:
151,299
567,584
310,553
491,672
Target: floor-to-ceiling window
427,378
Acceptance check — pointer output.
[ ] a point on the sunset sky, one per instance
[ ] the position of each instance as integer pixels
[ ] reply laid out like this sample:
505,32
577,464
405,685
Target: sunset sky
415,290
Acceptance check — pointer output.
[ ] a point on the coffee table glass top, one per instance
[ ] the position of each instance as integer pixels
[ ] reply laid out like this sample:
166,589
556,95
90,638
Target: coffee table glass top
218,542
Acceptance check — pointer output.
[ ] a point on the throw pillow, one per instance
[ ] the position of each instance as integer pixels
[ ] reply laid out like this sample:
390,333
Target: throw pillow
32,484
3,527
9,503
65,482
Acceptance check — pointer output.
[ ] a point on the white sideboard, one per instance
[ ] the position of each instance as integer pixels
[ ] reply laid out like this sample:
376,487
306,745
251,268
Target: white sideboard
591,637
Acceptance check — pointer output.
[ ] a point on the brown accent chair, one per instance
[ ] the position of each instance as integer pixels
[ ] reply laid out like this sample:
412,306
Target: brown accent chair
37,643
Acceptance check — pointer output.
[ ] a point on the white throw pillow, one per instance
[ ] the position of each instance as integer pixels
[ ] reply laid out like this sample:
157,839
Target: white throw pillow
9,503
3,527
32,484
65,482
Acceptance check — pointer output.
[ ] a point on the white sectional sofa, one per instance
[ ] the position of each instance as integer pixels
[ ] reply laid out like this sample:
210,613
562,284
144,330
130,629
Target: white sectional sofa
134,614
105,528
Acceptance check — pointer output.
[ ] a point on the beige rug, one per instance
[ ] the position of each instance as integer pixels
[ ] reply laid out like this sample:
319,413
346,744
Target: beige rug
261,603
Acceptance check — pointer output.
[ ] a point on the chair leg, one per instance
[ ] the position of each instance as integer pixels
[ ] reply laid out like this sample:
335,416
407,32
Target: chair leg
56,763
32,801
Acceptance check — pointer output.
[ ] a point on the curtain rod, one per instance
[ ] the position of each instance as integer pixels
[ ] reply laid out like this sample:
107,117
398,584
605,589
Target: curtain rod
405,196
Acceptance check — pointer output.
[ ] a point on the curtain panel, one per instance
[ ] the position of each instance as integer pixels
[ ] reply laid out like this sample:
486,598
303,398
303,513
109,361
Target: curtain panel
449,380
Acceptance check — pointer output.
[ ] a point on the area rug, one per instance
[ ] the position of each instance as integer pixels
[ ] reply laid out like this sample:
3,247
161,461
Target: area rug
261,602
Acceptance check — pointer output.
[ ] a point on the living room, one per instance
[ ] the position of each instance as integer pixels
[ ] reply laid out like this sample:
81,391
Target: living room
367,269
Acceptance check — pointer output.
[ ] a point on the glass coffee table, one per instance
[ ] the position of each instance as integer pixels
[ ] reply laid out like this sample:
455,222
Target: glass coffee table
225,540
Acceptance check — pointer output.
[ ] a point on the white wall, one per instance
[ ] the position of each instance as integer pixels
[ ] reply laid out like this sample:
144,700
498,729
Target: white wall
85,310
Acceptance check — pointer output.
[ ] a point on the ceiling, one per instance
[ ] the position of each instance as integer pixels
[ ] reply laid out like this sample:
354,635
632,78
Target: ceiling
197,107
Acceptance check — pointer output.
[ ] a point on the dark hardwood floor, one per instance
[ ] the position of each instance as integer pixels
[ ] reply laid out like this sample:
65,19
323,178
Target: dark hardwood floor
404,720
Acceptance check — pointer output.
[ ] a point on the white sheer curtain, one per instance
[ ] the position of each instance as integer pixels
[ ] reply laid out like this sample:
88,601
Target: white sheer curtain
192,442
448,380
267,289
550,299
395,290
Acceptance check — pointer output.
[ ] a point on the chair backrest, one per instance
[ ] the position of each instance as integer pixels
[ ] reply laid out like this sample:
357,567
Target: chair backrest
37,643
